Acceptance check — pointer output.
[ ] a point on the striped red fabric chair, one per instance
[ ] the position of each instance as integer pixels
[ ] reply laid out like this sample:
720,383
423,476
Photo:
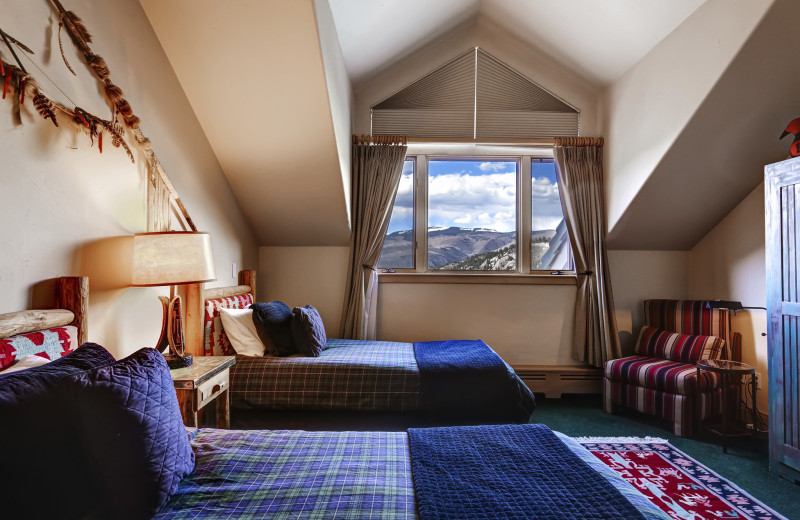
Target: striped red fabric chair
661,379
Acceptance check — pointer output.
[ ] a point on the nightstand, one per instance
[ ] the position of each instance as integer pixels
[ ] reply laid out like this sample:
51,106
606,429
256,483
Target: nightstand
203,382
731,373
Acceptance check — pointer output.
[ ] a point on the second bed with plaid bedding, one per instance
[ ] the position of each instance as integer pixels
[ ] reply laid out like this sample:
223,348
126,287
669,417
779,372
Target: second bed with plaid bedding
348,375
374,376
258,474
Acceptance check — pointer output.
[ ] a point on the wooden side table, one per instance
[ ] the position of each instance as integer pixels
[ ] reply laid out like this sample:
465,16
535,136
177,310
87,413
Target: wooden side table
205,381
731,370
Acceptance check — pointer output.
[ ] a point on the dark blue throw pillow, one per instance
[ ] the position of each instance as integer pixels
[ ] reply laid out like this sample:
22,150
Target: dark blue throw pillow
128,418
44,472
308,331
273,323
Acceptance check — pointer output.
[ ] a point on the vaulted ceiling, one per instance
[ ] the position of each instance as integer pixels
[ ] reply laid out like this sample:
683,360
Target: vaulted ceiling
272,83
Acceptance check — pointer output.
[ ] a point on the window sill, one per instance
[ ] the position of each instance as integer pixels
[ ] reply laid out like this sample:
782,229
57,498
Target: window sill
479,278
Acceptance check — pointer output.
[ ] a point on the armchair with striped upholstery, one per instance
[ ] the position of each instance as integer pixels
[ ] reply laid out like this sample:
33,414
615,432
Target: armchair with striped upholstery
662,379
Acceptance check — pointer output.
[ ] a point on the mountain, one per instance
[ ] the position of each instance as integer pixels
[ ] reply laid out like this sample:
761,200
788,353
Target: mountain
503,259
448,247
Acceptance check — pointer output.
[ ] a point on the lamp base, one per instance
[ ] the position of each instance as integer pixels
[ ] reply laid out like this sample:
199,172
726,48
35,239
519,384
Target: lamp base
174,362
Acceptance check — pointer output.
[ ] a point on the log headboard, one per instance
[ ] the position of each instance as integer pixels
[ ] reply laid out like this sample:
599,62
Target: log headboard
194,298
72,303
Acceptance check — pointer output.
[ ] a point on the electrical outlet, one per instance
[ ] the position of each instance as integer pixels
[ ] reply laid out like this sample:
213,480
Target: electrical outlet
758,380
234,272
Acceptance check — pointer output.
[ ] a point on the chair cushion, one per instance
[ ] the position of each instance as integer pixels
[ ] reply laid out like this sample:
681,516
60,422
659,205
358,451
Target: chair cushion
660,374
663,344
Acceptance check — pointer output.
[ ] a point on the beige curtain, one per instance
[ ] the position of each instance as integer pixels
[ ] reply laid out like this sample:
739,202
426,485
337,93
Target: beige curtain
377,163
579,165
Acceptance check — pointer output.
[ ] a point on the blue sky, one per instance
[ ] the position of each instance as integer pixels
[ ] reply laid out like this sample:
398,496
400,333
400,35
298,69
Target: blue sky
473,194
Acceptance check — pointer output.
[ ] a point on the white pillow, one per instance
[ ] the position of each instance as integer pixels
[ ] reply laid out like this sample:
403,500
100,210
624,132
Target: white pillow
241,331
26,362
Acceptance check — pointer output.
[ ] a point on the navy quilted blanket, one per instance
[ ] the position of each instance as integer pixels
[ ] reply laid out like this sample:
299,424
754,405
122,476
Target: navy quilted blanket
507,471
466,382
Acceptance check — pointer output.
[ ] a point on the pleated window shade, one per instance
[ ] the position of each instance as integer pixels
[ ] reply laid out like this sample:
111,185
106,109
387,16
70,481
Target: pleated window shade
475,96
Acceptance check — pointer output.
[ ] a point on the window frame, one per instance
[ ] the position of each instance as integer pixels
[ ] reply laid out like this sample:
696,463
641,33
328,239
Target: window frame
523,272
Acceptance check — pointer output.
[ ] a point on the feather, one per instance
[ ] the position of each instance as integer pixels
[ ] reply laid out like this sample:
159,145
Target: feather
44,106
100,141
98,64
113,93
77,26
2,69
21,91
61,48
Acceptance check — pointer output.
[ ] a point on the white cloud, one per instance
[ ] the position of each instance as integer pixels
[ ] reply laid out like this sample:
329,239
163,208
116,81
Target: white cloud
496,166
457,199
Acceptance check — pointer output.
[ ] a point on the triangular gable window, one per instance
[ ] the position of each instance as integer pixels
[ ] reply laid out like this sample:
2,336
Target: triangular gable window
475,96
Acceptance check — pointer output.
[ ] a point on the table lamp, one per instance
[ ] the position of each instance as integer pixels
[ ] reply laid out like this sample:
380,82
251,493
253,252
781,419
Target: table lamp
172,258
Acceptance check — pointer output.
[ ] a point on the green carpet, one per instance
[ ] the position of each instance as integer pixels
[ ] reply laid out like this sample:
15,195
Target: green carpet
579,416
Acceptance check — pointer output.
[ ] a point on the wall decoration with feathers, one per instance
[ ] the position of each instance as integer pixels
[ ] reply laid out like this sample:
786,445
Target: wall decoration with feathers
793,128
18,85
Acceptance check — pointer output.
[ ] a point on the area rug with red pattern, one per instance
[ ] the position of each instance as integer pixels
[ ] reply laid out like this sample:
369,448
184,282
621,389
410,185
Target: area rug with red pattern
678,484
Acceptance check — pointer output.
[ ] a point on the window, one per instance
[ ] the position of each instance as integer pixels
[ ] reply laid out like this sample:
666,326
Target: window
550,247
487,213
472,215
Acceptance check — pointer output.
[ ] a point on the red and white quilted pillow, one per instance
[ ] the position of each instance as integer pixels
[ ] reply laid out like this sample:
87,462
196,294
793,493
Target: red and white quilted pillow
674,346
215,341
50,344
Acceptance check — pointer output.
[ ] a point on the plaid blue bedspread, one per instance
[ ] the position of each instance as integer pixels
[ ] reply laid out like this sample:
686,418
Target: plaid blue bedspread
246,475
348,375
352,375
293,474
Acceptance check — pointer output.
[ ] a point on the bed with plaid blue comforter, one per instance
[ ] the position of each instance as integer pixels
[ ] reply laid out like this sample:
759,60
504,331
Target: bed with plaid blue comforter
263,474
349,375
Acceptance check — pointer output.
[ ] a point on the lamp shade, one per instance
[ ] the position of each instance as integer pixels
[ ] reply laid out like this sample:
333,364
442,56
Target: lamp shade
172,258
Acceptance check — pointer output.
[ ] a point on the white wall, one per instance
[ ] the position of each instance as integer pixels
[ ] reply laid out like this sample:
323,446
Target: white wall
61,201
730,264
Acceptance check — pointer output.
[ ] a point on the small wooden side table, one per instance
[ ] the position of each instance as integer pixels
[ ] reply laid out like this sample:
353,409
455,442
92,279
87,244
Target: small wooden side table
727,370
205,381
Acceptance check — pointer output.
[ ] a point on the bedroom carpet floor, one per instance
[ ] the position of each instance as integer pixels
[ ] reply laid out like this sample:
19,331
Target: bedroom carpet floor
578,416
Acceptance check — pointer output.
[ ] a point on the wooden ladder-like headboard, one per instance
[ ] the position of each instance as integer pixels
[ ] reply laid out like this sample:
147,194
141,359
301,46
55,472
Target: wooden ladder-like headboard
194,297
72,300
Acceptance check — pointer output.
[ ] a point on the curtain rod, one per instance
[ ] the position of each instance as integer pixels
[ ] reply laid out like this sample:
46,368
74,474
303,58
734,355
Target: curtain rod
446,140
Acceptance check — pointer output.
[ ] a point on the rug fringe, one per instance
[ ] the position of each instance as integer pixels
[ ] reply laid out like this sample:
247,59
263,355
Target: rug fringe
610,440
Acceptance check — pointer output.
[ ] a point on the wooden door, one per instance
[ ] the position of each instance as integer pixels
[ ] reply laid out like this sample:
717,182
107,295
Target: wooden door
782,185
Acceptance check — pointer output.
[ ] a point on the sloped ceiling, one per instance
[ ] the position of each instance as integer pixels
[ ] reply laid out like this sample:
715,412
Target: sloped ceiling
719,156
253,72
598,40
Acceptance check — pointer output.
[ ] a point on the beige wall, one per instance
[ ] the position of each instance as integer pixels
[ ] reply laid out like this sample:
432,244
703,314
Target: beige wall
641,275
61,200
301,276
730,264
526,324
645,110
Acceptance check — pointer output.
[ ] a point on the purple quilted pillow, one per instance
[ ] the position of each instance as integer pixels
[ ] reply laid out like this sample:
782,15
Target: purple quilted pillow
127,416
674,346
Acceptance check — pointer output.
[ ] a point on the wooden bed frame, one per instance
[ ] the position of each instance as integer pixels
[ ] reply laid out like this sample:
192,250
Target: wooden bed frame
194,297
72,302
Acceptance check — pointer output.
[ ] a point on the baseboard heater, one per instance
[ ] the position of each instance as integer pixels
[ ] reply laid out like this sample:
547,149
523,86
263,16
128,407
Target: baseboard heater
555,380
